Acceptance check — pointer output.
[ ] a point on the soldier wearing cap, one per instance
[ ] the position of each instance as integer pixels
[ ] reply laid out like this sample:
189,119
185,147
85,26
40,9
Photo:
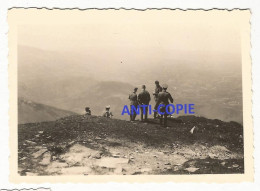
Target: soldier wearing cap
163,99
107,113
157,90
88,111
133,102
143,99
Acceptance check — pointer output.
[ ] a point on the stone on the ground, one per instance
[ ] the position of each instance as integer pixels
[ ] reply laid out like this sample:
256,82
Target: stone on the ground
118,170
30,174
191,169
212,155
146,170
71,143
96,155
56,164
192,129
116,154
46,159
175,168
30,142
109,162
235,165
79,170
39,153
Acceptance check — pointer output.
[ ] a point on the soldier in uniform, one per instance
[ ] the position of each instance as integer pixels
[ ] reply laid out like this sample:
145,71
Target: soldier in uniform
88,111
157,90
163,99
107,113
143,99
133,102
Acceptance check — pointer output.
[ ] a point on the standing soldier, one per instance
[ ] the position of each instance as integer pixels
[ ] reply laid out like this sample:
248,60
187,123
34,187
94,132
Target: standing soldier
157,90
163,99
144,98
107,113
133,103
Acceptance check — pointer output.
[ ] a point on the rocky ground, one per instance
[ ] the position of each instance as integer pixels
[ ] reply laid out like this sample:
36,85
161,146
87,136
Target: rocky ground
91,145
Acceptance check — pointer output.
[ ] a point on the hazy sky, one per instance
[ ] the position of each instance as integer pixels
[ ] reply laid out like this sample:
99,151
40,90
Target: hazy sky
135,36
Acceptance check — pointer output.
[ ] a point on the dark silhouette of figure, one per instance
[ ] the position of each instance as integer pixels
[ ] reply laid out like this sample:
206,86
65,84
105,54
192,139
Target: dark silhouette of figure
163,99
143,99
133,103
157,90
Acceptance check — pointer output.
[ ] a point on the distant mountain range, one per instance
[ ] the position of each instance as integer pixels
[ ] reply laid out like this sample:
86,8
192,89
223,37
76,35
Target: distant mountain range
31,112
71,81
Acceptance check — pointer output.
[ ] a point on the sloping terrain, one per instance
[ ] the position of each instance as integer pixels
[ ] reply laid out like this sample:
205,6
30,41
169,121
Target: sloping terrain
31,112
87,145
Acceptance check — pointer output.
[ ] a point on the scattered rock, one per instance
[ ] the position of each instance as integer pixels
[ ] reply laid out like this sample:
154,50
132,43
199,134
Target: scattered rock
46,159
39,153
30,142
78,154
97,155
109,162
118,170
30,174
146,170
71,143
167,163
76,170
192,129
191,169
116,155
23,158
58,165
41,132
235,165
175,168
223,163
160,153
211,155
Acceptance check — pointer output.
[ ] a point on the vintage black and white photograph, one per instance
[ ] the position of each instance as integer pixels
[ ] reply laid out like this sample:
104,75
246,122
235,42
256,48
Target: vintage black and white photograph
127,92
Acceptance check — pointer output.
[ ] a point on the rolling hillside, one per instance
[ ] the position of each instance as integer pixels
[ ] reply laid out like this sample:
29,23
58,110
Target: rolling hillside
31,112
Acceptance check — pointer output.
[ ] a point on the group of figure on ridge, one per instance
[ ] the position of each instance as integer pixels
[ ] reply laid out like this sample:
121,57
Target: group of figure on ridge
107,113
161,97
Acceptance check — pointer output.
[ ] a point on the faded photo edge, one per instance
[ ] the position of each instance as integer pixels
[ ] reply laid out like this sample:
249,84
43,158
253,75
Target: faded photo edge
248,175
